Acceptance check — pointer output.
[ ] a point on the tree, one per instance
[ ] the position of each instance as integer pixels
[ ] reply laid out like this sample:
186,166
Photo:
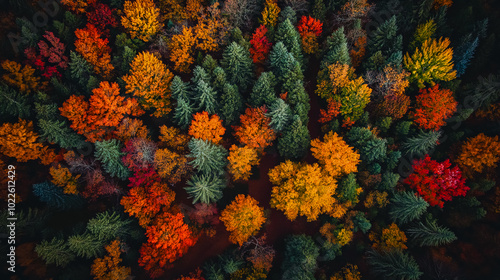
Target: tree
302,189
108,152
131,128
206,97
19,141
138,153
290,37
270,13
263,90
171,165
394,265
231,104
207,157
391,238
260,45
280,115
183,112
300,257
423,32
295,140
431,62
243,218
108,267
13,103
281,62
61,177
406,207
50,60
149,80
101,16
141,19
254,130
348,272
94,49
205,188
336,50
55,252
436,182
478,153
433,106
309,29
336,157
421,144
207,127
173,138
431,234
384,38
109,225
85,245
58,132
237,64
181,49
348,189
241,160
55,197
353,9
258,252
212,28
79,68
21,77
464,53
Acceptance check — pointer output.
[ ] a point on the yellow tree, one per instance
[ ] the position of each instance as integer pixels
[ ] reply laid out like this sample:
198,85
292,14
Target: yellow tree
21,77
149,79
211,29
479,153
141,19
108,267
241,160
390,238
19,141
302,189
173,138
270,13
348,272
335,155
243,218
181,49
170,165
431,62
207,127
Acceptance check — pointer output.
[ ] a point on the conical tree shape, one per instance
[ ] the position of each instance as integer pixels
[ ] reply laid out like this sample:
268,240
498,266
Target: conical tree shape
290,37
207,157
281,62
108,152
86,246
179,89
237,63
336,49
394,265
13,103
263,90
431,234
219,79
280,114
59,133
205,97
79,68
406,207
421,144
55,197
295,141
183,112
231,104
107,226
385,39
200,74
55,252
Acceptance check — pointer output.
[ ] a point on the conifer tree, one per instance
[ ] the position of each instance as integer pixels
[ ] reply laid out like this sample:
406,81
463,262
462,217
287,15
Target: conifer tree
108,225
109,153
385,38
464,54
361,223
58,132
421,144
406,207
280,114
232,104
55,197
219,79
394,265
13,103
431,234
199,73
336,50
300,258
205,97
348,189
290,37
208,158
263,90
205,188
237,64
183,112
295,140
85,245
179,89
281,61
55,252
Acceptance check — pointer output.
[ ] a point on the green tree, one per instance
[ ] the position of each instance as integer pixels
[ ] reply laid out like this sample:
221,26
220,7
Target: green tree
205,97
237,63
199,73
58,132
13,103
207,157
300,260
263,91
205,188
406,207
79,68
361,223
388,181
421,144
385,38
319,10
183,112
348,189
431,234
219,79
281,62
394,265
109,225
108,152
209,63
280,115
55,197
290,37
86,246
336,50
179,89
55,252
295,141
231,104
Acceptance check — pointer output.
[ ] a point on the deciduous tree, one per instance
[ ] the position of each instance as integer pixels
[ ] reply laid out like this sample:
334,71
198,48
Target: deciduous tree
141,19
241,160
389,239
108,267
94,49
181,49
207,127
254,130
260,45
433,106
50,60
19,141
21,77
479,153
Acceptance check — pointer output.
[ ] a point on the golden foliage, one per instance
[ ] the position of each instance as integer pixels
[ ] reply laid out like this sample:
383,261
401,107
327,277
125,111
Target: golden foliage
21,77
270,13
170,165
62,177
348,272
181,49
207,127
241,160
141,19
94,49
479,153
173,138
108,267
335,155
254,130
376,199
390,238
130,128
76,6
18,140
211,29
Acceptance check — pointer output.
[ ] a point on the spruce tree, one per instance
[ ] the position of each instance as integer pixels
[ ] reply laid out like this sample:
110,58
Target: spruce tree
183,112
295,141
263,90
281,61
126,58
13,104
205,97
207,157
179,89
205,188
209,63
55,197
319,10
336,49
406,207
431,234
219,79
55,252
86,246
107,226
232,104
58,132
280,114
300,259
385,38
200,74
108,152
421,144
237,64
348,189
394,265
288,13
361,223
290,37
79,68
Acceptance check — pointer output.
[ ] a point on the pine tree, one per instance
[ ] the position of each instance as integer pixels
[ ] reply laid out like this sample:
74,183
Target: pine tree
237,63
421,144
336,50
13,103
205,97
295,140
290,37
263,90
281,62
107,226
389,181
108,152
179,89
464,53
431,234
86,246
406,207
208,158
183,112
55,252
232,104
394,265
55,197
280,115
288,13
59,133
205,188
385,39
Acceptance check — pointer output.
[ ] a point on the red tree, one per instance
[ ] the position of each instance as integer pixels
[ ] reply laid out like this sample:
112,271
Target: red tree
49,58
433,106
101,16
436,182
310,25
260,45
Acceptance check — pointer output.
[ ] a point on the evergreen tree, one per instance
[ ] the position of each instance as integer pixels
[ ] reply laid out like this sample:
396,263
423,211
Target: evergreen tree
374,150
290,37
319,10
336,49
209,63
237,63
126,58
406,207
394,265
200,74
79,68
392,159
385,38
205,97
464,53
421,144
431,234
295,140
348,189
388,181
231,104
288,13
300,258
263,90
179,89
361,223
219,79
108,152
205,188
183,112
208,158
55,252
59,133
86,246
13,104
107,226
281,62
280,114
55,197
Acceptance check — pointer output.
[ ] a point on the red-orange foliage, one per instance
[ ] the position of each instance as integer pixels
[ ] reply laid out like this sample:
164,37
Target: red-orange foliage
433,106
101,16
94,49
254,130
207,127
19,141
358,51
169,238
98,118
108,267
332,110
260,45
440,3
310,29
196,275
50,60
479,153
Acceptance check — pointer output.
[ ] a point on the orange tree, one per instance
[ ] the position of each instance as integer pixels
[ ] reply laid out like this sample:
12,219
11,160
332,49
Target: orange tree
479,153
433,106
21,77
108,267
19,141
149,80
243,218
171,165
336,157
141,19
94,49
181,53
207,127
254,130
241,160
62,177
302,189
